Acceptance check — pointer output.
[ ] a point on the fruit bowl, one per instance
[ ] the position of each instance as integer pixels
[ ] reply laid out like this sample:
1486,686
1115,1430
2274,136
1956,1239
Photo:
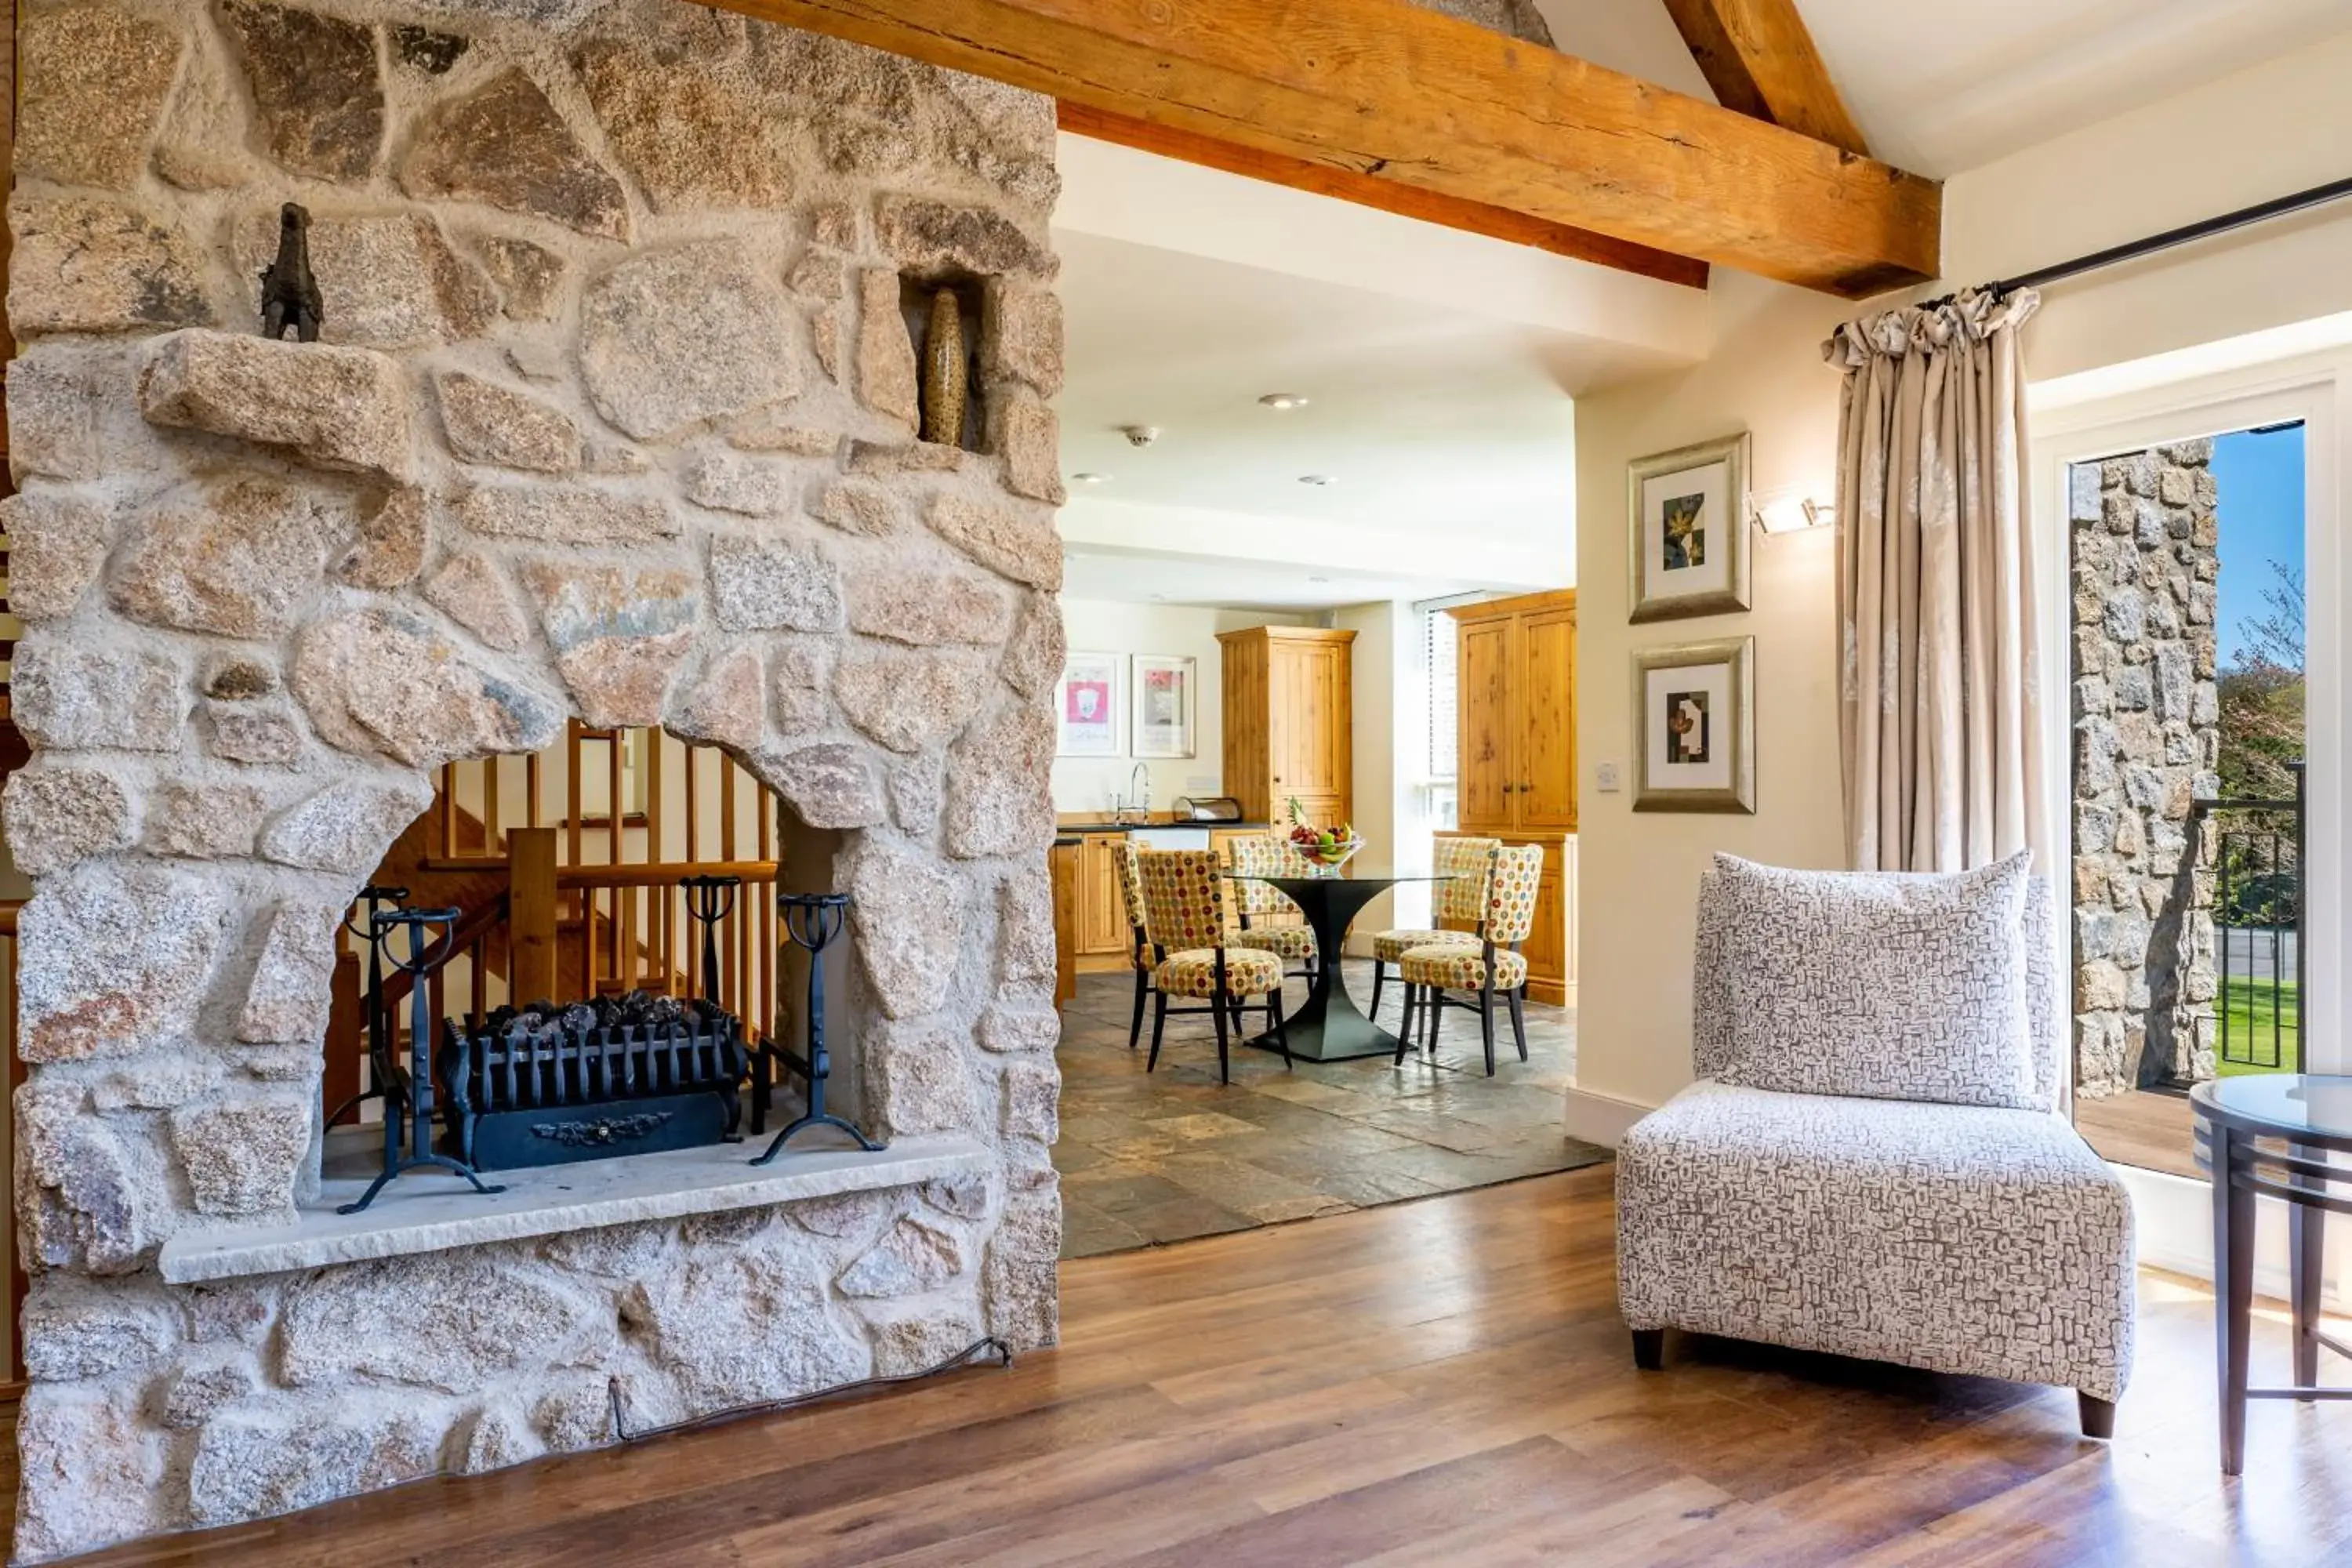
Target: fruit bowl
1326,859
1325,849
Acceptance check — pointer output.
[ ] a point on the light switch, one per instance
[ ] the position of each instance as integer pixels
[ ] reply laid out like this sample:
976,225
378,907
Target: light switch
1604,778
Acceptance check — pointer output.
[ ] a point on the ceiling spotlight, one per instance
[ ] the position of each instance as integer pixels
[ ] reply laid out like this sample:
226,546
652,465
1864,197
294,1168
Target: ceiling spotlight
1284,400
1139,435
1318,579
1318,480
1090,478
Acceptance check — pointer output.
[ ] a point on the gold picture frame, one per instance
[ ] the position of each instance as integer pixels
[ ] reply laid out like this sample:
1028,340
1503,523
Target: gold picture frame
1686,528
1695,727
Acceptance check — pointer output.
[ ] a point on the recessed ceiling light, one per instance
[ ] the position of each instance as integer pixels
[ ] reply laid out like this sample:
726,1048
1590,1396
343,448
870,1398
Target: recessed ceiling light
1318,579
1284,400
1319,480
1091,478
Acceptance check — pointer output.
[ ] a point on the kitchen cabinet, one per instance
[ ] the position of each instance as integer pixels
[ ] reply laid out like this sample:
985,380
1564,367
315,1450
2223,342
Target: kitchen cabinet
1289,721
1516,764
1103,929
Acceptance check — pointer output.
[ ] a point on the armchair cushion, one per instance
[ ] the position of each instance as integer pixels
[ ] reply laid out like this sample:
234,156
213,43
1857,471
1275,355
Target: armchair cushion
1965,1239
1879,985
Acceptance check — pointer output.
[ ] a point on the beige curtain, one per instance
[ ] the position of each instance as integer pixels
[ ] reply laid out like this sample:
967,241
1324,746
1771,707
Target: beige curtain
1939,669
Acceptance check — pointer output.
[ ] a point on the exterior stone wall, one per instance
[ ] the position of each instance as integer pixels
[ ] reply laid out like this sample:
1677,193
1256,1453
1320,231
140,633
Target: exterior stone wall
614,416
2147,744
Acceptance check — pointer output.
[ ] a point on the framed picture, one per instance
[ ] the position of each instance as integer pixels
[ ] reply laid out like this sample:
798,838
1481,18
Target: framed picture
1164,705
1695,727
1689,515
1089,695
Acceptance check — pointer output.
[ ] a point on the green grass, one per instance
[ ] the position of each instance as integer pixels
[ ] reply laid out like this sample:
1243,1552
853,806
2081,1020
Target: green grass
2249,1010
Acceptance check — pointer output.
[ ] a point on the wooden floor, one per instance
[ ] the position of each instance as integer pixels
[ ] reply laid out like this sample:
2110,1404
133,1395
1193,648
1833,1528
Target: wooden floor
2147,1128
1442,1381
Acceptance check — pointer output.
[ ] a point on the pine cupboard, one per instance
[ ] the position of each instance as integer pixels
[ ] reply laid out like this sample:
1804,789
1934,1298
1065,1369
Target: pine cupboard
1289,717
1515,767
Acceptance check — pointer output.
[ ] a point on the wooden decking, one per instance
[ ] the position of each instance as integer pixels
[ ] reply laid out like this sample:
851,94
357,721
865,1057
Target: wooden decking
1435,1383
2147,1128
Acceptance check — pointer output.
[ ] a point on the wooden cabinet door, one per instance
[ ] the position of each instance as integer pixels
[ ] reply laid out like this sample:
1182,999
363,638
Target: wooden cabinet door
1102,906
1484,764
1544,700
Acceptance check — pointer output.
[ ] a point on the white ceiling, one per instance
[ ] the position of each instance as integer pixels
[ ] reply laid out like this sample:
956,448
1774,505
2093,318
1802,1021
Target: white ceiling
1940,88
1425,420
1239,584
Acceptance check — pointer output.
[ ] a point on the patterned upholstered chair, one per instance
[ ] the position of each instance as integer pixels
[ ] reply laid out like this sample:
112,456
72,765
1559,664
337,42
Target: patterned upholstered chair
1130,886
1463,865
1490,968
1970,1239
1263,855
1184,919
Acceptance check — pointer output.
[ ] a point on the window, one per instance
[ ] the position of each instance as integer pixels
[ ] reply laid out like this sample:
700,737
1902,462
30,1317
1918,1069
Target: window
1440,693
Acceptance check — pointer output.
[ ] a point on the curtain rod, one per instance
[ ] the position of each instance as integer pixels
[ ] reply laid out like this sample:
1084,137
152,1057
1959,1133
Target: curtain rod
2188,234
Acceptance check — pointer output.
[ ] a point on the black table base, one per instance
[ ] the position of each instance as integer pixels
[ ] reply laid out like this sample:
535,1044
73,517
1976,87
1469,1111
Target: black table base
1328,1026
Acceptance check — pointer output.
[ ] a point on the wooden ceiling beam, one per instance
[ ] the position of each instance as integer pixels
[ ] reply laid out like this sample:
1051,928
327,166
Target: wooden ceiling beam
1759,57
1386,195
1386,90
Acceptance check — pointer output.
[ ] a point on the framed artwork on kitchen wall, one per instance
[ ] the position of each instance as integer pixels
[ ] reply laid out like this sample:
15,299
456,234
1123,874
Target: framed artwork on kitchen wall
1092,721
1695,727
1688,512
1166,703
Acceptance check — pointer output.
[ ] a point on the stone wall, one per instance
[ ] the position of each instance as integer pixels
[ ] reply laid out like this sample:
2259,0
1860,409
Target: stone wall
2146,743
612,415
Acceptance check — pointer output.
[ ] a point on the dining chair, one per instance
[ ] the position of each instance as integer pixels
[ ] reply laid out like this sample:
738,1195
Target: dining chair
1463,867
1184,920
1130,886
1493,968
1261,855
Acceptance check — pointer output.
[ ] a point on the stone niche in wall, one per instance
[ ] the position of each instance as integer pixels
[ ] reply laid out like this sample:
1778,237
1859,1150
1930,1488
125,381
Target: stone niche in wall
612,415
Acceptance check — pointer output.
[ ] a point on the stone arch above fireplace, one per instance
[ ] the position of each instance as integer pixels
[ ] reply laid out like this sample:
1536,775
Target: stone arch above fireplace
618,423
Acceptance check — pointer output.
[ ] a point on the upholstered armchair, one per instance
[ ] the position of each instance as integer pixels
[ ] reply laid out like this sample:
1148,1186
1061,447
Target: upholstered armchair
1977,1238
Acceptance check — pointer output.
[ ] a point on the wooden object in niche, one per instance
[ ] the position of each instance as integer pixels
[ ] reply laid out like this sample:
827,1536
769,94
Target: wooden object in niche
1288,723
945,391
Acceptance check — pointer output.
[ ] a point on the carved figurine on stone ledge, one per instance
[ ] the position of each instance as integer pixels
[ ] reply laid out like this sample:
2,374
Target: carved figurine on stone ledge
289,295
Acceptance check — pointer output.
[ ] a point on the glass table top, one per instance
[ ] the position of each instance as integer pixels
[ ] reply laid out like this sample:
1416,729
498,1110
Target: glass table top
2292,1102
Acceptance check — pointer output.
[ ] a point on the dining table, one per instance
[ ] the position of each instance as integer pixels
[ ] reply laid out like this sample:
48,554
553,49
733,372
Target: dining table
1328,1026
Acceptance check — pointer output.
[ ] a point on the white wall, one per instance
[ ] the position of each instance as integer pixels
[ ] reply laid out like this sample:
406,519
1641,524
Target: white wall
2236,141
1095,626
1382,683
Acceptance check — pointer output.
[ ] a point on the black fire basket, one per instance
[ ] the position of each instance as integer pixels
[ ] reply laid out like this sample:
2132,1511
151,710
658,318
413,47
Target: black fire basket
811,921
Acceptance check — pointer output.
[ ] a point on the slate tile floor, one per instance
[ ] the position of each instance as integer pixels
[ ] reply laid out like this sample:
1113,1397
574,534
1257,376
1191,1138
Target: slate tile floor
1167,1156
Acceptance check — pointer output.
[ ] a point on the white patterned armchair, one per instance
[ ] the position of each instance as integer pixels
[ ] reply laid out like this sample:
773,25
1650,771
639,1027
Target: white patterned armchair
1984,1239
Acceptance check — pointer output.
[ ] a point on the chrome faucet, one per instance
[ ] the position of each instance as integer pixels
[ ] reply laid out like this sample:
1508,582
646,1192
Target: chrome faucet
1135,803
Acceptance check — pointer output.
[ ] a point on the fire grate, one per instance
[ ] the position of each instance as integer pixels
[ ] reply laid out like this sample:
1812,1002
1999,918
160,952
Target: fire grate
634,1076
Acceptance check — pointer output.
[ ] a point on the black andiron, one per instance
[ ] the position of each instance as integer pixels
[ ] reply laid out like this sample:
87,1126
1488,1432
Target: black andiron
289,294
410,1121
374,897
811,920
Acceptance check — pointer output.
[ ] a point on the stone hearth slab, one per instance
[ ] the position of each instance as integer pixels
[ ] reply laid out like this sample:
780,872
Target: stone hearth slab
429,1212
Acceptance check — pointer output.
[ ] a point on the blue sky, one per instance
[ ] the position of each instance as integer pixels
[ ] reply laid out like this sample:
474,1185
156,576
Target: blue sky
2261,480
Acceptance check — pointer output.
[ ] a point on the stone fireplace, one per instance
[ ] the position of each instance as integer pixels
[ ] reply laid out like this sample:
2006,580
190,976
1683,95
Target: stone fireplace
612,415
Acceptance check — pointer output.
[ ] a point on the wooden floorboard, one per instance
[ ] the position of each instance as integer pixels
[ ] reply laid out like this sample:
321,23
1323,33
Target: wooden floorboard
1437,1382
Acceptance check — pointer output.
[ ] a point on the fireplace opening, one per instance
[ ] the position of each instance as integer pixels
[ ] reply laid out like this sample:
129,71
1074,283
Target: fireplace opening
602,968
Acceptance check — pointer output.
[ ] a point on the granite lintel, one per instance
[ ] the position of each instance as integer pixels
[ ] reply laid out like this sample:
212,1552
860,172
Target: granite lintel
429,1212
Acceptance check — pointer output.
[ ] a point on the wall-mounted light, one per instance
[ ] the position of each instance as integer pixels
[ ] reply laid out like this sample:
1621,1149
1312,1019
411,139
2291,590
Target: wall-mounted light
1793,514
